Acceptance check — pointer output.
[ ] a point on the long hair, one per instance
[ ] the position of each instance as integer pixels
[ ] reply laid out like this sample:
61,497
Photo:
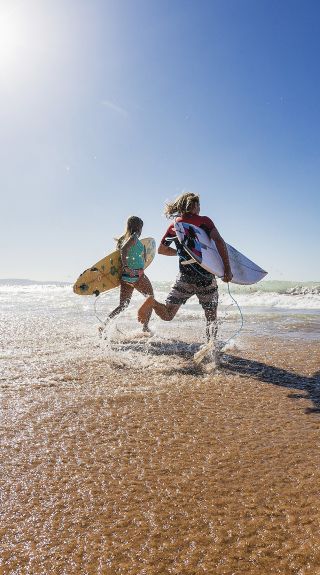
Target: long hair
134,224
181,205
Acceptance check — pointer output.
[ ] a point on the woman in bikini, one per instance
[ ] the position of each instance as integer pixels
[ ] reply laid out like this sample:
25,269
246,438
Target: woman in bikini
133,257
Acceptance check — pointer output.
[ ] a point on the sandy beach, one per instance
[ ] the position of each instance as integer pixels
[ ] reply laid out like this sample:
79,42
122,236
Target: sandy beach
165,470
162,149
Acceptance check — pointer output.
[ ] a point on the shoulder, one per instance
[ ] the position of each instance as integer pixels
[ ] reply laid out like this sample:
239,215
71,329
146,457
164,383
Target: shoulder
171,227
207,222
132,240
170,232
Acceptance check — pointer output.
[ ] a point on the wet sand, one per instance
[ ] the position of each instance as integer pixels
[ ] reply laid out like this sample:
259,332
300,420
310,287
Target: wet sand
169,470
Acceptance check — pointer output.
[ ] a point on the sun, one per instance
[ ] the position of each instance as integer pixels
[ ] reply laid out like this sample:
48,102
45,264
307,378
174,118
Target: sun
11,36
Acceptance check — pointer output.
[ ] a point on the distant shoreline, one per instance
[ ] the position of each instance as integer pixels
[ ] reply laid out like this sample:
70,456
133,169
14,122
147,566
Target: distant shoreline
15,281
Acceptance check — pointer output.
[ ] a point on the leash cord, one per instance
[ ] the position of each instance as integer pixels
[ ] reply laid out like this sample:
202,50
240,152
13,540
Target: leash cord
230,294
103,323
241,316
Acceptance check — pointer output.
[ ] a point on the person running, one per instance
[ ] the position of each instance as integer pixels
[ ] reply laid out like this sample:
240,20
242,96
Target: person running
133,258
192,279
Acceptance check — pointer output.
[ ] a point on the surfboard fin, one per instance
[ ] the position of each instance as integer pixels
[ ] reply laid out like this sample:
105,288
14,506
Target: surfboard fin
190,261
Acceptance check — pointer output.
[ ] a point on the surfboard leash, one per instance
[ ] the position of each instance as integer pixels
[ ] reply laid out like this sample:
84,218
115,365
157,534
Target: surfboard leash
241,316
230,294
103,323
106,322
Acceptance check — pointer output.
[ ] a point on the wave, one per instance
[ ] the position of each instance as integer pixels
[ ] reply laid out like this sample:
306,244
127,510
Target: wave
275,300
276,286
267,294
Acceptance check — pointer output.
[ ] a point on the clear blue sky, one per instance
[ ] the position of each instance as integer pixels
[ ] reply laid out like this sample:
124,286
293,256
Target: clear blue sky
109,108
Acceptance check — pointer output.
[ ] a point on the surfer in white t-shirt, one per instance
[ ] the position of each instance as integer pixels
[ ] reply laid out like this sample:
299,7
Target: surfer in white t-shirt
192,279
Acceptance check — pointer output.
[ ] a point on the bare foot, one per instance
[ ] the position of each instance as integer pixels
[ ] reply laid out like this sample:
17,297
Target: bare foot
102,327
145,309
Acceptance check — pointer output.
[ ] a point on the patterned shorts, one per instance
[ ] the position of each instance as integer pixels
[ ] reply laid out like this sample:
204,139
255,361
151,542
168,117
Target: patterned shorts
207,292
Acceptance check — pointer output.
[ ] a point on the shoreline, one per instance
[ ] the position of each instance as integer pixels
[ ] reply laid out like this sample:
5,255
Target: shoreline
168,469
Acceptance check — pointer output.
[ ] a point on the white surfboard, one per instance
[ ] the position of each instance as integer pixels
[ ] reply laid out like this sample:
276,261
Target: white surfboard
203,251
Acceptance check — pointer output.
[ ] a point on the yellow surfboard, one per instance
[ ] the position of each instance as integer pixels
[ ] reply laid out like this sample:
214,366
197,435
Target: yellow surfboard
106,273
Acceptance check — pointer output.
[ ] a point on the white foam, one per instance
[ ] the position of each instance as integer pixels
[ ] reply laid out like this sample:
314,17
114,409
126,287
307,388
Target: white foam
274,300
247,296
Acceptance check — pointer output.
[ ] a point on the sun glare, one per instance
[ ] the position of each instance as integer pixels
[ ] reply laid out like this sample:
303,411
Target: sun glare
33,34
10,35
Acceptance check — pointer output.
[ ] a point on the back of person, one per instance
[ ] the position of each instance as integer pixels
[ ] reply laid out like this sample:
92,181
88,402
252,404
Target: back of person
134,260
135,257
191,273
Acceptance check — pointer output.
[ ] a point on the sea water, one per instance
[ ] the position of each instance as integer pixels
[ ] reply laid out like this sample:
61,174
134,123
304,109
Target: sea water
46,329
121,456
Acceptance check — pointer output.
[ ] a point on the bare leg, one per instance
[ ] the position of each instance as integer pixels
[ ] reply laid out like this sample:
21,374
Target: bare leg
212,326
211,335
164,311
126,291
144,286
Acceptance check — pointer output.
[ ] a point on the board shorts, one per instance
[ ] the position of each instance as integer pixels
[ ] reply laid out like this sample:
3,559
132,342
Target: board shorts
132,276
206,291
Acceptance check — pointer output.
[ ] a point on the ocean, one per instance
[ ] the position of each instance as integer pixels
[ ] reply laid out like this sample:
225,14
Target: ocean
45,327
122,456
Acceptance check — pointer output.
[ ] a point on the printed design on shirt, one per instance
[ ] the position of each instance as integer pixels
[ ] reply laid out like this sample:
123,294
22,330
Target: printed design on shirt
192,243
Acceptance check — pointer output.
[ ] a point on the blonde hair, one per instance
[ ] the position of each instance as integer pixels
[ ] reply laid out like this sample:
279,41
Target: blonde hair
181,205
134,224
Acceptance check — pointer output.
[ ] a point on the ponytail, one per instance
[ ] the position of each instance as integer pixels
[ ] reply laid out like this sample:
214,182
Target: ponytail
134,224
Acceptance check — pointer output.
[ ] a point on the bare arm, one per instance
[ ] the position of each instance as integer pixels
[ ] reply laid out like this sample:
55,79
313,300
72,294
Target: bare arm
166,250
222,249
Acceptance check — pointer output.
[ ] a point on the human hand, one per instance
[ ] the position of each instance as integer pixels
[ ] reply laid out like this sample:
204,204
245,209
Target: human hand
227,276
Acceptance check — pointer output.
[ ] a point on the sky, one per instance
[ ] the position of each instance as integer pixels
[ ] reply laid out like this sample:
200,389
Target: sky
109,108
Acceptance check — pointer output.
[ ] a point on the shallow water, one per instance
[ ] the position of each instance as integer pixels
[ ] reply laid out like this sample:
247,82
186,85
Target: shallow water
122,456
45,328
